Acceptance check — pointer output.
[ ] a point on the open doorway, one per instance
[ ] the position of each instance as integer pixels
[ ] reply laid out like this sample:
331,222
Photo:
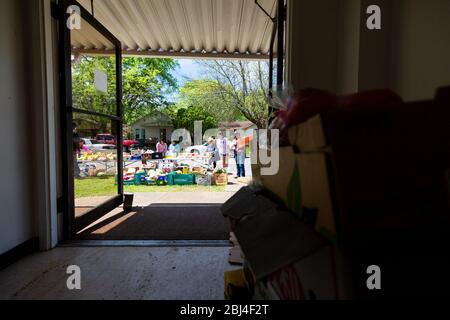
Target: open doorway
190,149
178,140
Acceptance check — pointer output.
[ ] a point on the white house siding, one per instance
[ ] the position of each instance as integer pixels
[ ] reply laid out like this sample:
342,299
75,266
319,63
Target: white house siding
150,132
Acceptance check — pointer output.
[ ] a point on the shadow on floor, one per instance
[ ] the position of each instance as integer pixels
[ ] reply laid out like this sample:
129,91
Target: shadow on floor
161,222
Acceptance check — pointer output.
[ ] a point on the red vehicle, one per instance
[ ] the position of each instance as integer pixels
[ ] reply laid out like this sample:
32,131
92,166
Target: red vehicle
106,138
129,143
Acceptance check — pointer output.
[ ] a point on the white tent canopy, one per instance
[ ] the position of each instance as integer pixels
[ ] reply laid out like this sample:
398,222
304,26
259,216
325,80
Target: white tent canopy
189,28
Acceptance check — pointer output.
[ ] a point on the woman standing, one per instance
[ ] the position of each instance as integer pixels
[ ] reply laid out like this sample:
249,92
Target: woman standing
161,147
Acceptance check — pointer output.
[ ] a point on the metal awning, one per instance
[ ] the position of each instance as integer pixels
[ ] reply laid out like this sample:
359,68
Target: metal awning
184,28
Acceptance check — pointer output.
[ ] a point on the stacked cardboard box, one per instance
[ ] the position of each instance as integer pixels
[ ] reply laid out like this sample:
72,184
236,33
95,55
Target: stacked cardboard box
361,181
236,255
286,257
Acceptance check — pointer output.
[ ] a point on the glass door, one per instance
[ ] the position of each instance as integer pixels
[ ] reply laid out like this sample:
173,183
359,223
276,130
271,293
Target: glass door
91,118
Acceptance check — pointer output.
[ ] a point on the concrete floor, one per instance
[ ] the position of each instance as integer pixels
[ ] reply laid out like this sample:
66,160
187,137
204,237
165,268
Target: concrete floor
142,199
129,273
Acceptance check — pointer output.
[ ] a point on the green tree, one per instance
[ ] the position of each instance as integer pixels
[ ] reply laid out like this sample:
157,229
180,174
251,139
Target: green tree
145,83
243,86
184,117
206,95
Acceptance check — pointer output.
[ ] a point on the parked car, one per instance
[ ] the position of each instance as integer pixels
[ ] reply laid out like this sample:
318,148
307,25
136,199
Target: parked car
111,139
129,143
94,145
105,138
197,149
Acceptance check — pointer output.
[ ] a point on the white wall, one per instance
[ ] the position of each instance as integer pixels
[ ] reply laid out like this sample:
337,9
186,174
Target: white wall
312,44
151,132
349,27
420,46
374,51
330,47
16,219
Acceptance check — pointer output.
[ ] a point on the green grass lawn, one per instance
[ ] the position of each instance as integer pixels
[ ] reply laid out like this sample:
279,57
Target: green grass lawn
91,187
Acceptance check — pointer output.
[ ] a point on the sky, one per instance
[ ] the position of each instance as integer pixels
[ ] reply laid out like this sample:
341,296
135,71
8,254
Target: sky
188,70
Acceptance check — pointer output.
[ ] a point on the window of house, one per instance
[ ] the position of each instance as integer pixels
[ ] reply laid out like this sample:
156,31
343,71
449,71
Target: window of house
137,134
143,133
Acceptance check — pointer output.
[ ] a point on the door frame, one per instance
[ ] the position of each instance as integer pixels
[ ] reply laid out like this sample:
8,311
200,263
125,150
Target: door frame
277,37
72,225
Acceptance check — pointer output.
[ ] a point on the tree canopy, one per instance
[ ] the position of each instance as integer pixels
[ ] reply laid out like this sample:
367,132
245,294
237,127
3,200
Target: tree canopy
184,117
206,95
145,83
242,86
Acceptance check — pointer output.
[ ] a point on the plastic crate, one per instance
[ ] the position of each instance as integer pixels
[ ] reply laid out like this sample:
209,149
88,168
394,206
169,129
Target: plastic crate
138,178
129,183
162,181
136,181
181,179
203,179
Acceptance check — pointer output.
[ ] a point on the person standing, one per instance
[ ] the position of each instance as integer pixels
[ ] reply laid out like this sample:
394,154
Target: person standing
234,149
161,147
240,157
84,147
174,148
222,146
212,148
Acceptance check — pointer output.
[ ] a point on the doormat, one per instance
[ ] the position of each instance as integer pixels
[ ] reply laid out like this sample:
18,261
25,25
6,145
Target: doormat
162,222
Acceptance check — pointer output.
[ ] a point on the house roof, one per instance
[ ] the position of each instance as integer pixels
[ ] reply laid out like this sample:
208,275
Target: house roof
157,119
190,28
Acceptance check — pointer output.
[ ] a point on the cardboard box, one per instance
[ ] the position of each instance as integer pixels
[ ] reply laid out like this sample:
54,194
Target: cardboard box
311,278
221,179
308,136
236,256
302,182
270,238
235,285
288,259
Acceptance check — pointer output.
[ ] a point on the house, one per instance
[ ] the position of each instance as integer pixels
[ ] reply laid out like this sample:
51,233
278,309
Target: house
154,126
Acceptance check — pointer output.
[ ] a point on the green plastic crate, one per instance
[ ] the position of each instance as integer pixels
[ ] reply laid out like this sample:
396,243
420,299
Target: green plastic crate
181,179
137,178
135,181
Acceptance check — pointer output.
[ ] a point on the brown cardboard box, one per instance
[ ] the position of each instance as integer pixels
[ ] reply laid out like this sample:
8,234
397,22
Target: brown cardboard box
270,238
295,260
236,256
308,136
312,278
221,179
302,182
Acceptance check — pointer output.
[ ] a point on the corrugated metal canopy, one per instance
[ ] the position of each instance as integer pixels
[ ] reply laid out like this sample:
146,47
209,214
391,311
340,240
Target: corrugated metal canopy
208,28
